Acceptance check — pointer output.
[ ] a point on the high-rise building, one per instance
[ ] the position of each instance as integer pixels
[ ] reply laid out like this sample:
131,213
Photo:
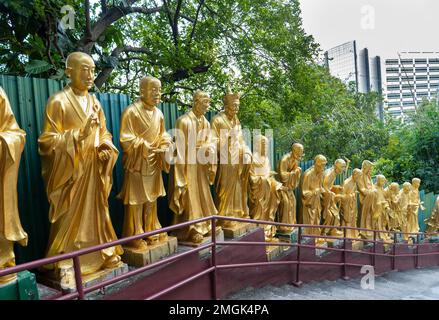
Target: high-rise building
351,65
410,78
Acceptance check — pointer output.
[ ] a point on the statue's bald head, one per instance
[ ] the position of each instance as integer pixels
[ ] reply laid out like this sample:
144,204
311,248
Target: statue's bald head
416,182
74,58
80,68
381,180
320,162
339,166
150,91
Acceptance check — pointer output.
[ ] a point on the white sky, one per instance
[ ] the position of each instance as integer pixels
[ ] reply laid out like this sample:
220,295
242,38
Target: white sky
400,25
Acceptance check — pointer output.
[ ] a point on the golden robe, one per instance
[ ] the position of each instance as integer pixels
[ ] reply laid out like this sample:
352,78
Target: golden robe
232,176
141,131
189,187
77,182
331,209
264,193
289,174
413,211
312,187
367,204
12,140
380,217
433,222
404,201
349,210
394,216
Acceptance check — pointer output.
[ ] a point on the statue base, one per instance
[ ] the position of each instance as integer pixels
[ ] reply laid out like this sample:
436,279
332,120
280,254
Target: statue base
321,243
290,237
334,243
357,245
21,287
273,252
239,230
219,236
153,253
67,284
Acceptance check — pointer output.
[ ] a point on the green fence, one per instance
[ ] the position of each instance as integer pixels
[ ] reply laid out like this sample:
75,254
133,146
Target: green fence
28,97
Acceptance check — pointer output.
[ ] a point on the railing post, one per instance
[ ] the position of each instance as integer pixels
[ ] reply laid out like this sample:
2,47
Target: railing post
78,278
374,248
298,283
417,252
213,260
345,275
394,251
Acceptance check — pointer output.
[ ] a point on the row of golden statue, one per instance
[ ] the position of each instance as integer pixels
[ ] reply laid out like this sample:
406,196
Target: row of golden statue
78,157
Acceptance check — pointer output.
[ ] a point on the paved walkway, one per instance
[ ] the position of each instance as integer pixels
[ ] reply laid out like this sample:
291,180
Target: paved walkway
407,285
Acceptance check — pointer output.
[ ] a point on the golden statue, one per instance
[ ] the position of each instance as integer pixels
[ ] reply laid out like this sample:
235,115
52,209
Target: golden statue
433,222
312,190
144,141
414,206
289,173
234,163
349,210
264,189
394,215
381,209
78,157
404,203
331,200
12,140
367,198
194,171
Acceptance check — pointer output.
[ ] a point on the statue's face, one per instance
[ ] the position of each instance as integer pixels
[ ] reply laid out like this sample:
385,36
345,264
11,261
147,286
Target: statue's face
232,107
202,104
339,168
416,184
356,175
297,152
320,166
81,72
406,188
151,92
381,181
394,189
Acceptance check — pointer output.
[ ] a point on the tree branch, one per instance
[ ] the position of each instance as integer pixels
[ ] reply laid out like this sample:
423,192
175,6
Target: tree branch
86,43
182,74
194,25
87,19
105,72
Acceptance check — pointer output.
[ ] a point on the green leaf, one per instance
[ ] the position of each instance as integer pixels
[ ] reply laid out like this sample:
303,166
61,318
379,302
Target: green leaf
37,66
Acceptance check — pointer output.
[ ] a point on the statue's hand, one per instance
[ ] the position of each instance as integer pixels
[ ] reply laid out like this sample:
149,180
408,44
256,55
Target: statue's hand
104,155
87,129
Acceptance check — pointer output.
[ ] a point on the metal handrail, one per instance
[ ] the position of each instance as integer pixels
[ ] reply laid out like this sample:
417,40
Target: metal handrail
81,291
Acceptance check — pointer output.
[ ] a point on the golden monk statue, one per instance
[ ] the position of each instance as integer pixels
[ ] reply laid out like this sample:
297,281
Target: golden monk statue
433,222
235,159
194,171
330,203
414,206
312,190
78,157
404,203
367,198
264,189
349,211
392,197
12,140
289,173
380,219
144,141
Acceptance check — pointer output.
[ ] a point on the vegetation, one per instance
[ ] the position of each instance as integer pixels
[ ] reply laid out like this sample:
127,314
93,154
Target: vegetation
259,47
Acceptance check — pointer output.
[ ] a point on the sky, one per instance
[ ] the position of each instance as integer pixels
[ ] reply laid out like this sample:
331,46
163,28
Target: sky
385,27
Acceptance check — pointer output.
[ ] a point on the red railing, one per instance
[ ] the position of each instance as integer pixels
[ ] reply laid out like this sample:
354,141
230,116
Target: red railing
81,291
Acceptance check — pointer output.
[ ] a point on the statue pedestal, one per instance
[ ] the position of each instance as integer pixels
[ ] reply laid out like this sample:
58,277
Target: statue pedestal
357,245
219,235
153,253
273,252
23,287
66,282
290,237
334,243
239,230
321,243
